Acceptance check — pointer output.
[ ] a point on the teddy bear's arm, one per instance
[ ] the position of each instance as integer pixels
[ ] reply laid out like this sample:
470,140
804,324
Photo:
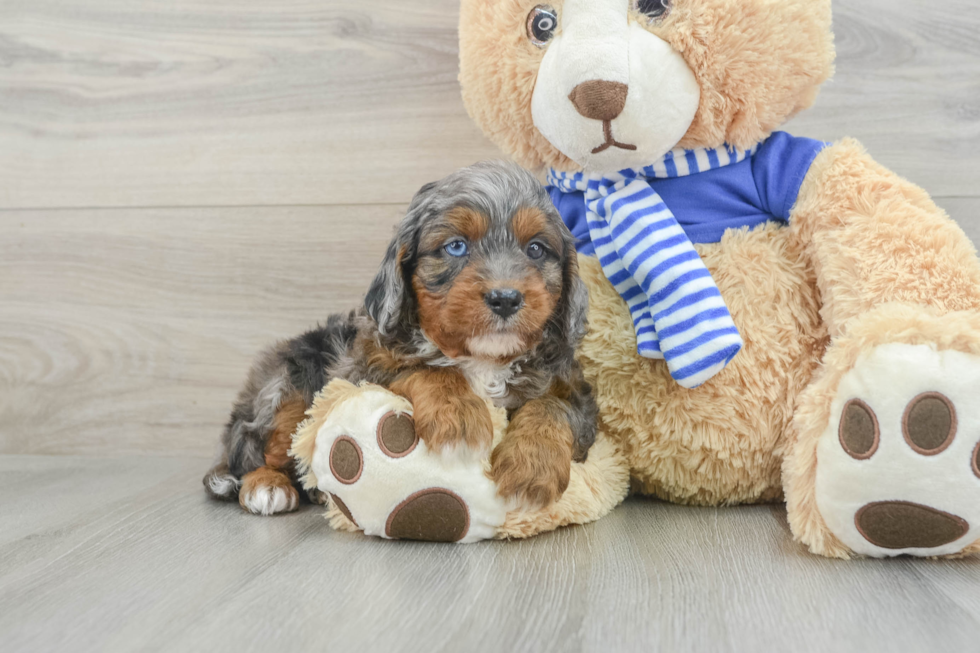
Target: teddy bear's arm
873,238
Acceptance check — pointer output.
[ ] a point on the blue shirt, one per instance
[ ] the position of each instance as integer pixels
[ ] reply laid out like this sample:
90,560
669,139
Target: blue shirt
759,189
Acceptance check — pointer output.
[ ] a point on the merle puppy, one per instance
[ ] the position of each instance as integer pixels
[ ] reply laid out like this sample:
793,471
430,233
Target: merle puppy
478,298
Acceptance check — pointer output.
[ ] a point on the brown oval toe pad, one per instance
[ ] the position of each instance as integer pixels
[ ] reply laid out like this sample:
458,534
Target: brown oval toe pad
433,515
976,460
396,435
905,525
929,423
346,460
859,430
342,507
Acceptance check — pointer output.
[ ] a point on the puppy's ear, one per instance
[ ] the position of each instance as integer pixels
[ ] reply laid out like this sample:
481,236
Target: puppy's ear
578,303
389,298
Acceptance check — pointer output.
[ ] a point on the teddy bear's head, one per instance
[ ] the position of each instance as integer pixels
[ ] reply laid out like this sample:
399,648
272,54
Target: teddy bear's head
603,85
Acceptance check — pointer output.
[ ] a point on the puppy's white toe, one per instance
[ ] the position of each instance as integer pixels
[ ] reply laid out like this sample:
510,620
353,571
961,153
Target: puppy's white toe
268,500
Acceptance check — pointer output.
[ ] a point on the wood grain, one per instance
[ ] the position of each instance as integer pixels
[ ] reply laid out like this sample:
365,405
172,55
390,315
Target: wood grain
240,102
132,330
228,102
134,557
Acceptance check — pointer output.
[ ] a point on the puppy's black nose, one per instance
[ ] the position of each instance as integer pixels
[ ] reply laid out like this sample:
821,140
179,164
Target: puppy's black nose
504,301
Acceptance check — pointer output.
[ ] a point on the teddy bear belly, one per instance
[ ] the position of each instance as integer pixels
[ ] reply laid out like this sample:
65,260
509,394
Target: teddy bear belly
722,442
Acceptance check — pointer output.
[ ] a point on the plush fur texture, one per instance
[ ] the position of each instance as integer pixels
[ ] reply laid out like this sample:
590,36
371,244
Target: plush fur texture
721,443
874,237
758,62
595,486
868,258
888,323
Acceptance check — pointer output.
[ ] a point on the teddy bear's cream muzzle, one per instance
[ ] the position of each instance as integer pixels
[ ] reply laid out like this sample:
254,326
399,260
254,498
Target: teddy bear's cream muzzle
610,94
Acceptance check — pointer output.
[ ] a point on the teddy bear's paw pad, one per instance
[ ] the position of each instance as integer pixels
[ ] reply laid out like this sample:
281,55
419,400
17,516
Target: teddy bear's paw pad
902,525
898,468
396,435
346,460
369,458
342,507
433,515
929,424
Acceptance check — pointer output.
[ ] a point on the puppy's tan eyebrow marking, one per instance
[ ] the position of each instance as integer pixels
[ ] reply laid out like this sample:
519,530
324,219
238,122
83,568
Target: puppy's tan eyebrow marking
468,222
460,221
529,223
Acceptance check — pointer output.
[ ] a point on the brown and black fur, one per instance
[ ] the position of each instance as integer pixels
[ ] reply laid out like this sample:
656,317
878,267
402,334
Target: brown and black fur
423,333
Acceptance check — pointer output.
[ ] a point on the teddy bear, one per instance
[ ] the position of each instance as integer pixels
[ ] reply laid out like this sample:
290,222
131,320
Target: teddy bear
772,318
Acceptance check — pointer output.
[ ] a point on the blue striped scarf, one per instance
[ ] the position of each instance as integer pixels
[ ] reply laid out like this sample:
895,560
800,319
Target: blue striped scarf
678,312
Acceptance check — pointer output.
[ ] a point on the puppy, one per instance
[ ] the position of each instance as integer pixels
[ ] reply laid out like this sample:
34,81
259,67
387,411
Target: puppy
478,298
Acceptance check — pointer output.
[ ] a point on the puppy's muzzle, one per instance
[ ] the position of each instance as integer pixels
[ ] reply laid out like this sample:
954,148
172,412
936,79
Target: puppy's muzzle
504,301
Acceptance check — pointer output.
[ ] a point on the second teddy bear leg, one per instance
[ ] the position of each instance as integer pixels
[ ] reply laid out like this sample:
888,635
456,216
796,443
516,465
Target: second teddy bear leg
875,238
886,456
882,457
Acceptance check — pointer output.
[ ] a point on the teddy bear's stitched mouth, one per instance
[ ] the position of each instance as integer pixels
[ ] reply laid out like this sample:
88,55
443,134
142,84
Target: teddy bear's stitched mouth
610,141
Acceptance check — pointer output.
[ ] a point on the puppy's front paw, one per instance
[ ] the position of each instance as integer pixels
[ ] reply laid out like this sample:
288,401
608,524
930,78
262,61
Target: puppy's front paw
533,475
454,422
268,491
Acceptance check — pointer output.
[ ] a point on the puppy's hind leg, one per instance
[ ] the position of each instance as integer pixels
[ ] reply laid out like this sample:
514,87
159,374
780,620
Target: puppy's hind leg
280,387
270,489
253,420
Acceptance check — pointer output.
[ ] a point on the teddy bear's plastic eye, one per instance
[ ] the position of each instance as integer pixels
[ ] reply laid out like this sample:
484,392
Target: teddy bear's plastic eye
654,9
541,25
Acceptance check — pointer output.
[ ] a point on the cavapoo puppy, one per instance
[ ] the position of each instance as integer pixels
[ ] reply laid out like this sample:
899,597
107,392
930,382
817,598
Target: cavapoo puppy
478,298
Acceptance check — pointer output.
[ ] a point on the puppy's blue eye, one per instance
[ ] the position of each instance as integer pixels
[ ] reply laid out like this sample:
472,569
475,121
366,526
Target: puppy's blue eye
535,251
457,248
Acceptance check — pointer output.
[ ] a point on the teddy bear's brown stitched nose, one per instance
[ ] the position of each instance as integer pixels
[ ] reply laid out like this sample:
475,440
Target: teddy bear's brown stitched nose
599,100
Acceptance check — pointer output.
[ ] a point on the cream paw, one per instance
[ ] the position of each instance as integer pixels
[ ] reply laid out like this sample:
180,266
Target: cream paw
897,465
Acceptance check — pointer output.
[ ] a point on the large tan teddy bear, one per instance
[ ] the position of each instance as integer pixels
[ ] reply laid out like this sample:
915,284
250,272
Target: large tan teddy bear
771,317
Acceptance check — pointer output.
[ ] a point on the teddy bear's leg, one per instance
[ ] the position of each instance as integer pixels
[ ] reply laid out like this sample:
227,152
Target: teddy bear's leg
882,459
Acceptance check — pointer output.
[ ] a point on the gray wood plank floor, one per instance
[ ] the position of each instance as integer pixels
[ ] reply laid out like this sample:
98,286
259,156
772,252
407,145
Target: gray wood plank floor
131,556
183,182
